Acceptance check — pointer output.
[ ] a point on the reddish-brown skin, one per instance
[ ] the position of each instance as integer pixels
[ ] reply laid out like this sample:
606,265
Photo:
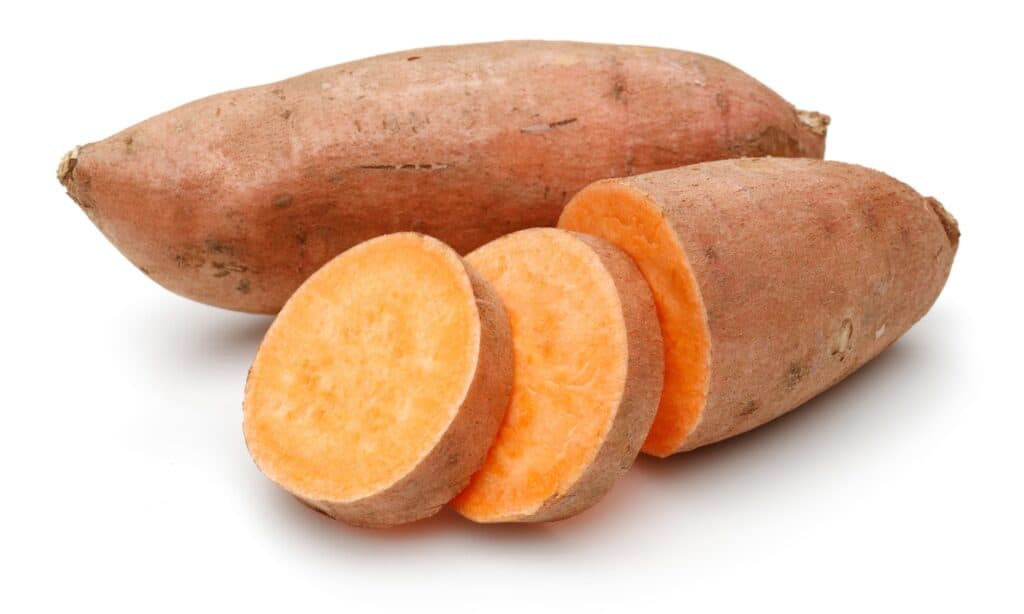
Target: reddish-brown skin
235,199
807,270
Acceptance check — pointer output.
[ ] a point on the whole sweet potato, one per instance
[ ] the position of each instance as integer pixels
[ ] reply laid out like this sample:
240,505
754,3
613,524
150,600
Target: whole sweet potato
235,199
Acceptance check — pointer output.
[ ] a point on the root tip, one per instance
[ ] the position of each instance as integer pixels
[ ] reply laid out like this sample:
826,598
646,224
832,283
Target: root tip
814,121
949,223
67,166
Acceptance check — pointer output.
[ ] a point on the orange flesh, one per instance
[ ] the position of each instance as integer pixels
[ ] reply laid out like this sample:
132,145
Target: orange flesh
364,369
570,353
636,224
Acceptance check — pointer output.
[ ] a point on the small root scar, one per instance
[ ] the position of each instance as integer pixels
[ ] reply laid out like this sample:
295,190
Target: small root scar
436,166
548,126
750,408
794,376
842,341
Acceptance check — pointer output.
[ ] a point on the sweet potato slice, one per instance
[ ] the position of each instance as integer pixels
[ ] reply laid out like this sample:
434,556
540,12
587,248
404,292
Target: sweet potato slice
588,373
774,279
381,384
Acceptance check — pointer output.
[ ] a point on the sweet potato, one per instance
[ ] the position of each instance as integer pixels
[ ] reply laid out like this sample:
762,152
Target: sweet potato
774,279
235,199
588,373
381,384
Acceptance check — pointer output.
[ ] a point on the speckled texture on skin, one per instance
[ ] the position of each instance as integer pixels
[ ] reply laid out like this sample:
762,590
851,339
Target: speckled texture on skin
447,466
806,270
233,200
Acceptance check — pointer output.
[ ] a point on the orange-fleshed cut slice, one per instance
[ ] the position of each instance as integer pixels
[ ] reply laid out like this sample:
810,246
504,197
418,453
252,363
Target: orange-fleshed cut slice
588,373
381,384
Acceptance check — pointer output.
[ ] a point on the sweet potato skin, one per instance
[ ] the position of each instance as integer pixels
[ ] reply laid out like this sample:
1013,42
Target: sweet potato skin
446,470
233,200
807,270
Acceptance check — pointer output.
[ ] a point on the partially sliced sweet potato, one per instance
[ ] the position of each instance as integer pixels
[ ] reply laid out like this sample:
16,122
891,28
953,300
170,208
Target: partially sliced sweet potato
381,384
588,374
774,279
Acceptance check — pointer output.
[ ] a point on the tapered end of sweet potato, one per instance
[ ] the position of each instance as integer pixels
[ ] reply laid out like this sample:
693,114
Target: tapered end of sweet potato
814,121
67,166
949,223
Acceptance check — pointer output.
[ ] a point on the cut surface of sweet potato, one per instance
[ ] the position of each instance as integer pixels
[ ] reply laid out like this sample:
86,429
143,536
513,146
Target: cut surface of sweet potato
380,385
636,224
588,372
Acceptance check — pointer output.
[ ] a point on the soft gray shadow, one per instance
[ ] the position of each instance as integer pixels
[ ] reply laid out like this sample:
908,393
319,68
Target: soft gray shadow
914,354
194,340
917,355
318,528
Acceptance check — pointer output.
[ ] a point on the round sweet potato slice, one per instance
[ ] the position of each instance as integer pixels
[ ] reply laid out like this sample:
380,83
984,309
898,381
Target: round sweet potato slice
381,384
588,374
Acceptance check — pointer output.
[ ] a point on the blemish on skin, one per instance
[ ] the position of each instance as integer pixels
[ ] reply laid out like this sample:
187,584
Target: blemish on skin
286,114
412,58
217,113
841,342
282,200
278,92
880,331
404,167
548,126
222,273
751,407
128,140
220,247
709,254
772,141
722,102
189,259
701,77
145,271
300,235
243,286
359,126
618,90
794,376
230,267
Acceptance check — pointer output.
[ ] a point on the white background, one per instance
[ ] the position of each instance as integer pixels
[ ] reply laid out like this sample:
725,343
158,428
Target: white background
126,484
